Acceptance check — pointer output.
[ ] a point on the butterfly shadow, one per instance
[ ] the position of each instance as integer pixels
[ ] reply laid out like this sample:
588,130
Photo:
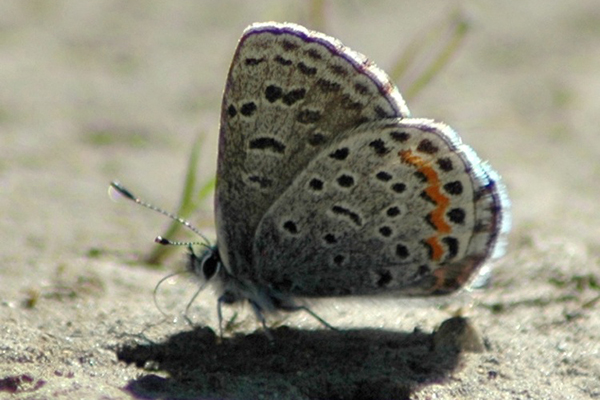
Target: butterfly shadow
351,364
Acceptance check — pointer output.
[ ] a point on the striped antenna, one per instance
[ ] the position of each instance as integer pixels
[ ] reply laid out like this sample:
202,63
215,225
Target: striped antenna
159,239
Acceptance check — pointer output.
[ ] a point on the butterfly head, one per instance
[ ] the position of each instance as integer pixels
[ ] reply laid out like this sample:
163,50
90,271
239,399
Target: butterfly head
206,264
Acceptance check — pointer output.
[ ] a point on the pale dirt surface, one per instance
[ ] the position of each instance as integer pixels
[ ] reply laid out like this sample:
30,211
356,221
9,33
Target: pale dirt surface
96,90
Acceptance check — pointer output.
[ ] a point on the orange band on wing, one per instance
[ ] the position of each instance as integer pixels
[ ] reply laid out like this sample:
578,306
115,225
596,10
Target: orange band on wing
437,216
437,251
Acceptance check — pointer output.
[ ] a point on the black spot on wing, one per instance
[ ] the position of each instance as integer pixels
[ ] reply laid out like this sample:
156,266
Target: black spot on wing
340,154
248,109
293,96
273,93
345,212
267,143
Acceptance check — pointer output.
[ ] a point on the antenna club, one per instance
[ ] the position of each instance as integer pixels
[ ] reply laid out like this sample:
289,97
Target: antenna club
162,240
117,186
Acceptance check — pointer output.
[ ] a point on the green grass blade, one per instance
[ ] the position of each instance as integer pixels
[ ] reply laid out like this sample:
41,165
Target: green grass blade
433,49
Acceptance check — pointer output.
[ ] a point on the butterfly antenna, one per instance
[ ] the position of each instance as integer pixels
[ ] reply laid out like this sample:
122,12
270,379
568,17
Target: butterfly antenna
167,242
130,196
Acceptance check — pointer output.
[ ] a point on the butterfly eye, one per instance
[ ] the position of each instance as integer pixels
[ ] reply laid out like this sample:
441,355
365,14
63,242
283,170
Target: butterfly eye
210,264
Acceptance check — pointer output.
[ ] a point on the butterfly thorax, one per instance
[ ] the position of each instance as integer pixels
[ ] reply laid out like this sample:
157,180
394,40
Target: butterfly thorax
208,267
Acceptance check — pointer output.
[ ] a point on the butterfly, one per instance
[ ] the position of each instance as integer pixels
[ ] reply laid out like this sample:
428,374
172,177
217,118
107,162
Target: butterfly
326,186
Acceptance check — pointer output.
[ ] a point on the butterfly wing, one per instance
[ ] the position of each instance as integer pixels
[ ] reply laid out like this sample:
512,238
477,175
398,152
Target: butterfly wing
395,206
290,93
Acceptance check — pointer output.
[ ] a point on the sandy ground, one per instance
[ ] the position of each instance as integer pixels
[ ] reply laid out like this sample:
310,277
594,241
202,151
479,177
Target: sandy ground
97,90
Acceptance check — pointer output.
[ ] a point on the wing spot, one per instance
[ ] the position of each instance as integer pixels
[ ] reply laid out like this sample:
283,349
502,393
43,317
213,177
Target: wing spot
253,61
385,277
402,251
454,188
273,93
288,45
445,164
330,239
339,259
267,143
452,245
316,139
385,231
231,111
316,184
328,86
314,54
423,270
338,70
345,181
291,227
340,154
283,61
381,113
399,187
361,88
261,181
383,176
354,217
400,136
293,96
378,146
306,70
393,211
457,215
248,109
426,146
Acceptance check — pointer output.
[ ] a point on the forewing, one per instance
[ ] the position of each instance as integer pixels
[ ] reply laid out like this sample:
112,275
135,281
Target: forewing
290,93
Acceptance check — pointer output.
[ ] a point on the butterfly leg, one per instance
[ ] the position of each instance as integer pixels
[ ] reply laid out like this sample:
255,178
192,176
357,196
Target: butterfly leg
220,314
225,298
312,314
261,317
